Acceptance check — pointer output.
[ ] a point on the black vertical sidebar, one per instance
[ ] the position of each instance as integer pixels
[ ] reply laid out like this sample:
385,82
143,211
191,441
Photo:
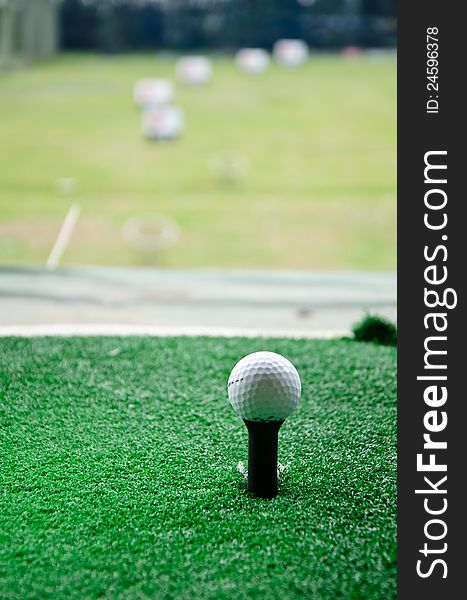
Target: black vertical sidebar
420,132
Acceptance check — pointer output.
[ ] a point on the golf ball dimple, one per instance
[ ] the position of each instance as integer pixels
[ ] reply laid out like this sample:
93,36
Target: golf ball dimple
264,386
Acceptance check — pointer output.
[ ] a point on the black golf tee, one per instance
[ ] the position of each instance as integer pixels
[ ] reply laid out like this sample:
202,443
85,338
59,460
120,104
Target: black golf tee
262,457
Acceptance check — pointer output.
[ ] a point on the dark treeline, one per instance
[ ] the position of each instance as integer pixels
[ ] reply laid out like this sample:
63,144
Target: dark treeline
111,26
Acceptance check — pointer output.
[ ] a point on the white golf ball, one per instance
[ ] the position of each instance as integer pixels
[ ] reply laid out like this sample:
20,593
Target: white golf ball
193,70
153,92
252,61
162,122
264,386
290,53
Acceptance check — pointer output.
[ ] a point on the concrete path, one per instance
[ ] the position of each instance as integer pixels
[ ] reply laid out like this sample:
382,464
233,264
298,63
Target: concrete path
167,301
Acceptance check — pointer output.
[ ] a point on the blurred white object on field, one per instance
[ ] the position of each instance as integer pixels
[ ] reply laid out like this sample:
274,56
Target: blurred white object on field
66,186
252,61
153,92
162,122
290,53
150,233
193,70
228,167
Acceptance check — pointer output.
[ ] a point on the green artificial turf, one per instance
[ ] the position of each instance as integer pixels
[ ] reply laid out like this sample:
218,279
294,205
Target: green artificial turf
319,191
118,473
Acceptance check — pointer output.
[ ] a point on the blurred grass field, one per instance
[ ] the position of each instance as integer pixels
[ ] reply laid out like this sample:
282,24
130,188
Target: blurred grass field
320,141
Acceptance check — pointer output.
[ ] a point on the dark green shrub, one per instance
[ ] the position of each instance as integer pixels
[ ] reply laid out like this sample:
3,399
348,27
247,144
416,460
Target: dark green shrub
375,329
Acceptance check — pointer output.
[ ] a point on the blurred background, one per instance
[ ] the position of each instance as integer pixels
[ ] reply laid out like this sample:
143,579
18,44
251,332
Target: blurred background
269,160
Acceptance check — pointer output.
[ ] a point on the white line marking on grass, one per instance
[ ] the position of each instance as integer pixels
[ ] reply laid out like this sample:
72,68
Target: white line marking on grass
64,236
111,329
